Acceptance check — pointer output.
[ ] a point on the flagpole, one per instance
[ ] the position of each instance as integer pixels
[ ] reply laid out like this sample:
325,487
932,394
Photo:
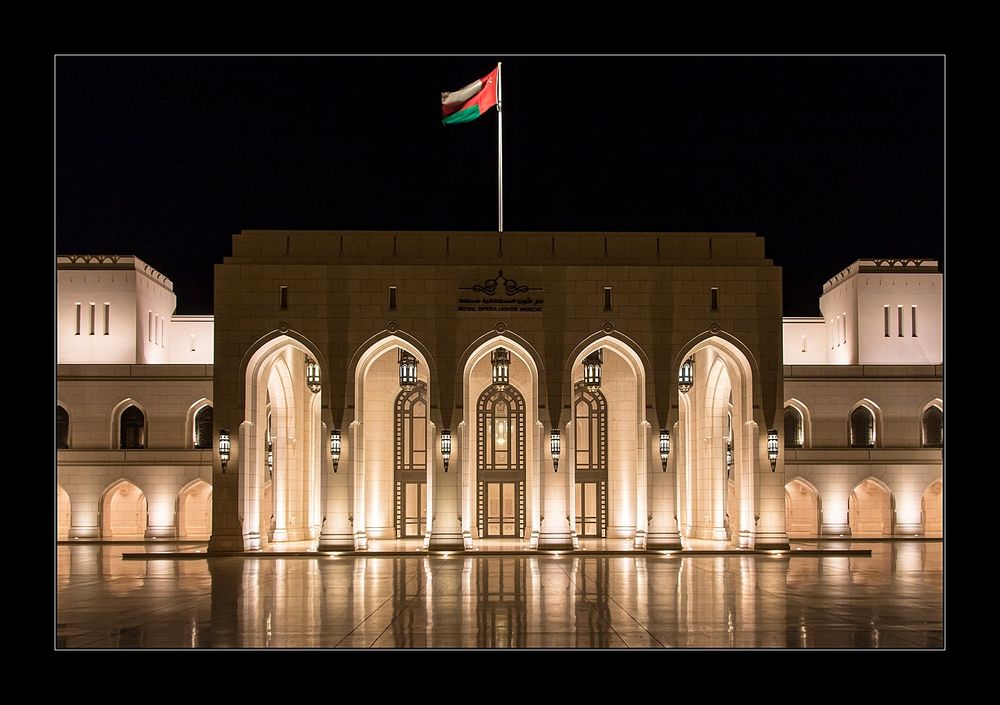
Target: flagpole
499,149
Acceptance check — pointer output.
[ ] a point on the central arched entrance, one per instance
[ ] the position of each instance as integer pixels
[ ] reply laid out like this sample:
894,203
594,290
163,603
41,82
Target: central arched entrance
283,442
500,462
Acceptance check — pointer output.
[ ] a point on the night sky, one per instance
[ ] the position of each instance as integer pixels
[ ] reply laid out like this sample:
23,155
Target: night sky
830,159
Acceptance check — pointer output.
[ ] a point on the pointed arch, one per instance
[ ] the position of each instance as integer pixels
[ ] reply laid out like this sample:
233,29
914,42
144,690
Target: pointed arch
806,417
191,425
116,423
62,426
871,508
932,424
859,424
64,513
194,510
802,508
932,506
124,512
625,346
376,346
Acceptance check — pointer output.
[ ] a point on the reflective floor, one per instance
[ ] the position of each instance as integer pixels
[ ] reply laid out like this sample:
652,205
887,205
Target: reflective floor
891,600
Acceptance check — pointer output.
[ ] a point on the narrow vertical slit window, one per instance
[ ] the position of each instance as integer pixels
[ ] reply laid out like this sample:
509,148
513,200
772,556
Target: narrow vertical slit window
107,318
79,316
283,298
885,315
607,298
715,298
844,332
93,317
149,327
899,320
803,343
913,321
392,298
192,342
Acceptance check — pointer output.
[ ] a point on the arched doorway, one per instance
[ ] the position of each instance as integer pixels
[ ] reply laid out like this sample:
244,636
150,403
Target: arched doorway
276,382
870,509
500,436
63,515
932,509
801,508
123,511
194,510
590,427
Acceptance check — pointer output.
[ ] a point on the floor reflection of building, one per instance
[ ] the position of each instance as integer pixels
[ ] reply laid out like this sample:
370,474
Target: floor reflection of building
501,608
592,603
409,625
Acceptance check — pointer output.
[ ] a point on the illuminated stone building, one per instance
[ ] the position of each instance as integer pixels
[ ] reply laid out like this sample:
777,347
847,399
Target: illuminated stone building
454,389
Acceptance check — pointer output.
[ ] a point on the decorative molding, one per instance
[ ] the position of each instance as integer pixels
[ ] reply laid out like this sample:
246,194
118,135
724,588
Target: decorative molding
510,287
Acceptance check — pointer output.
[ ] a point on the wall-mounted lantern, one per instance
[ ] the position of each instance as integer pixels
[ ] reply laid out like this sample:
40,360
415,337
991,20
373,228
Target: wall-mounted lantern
592,370
729,458
685,379
501,367
555,445
224,447
446,448
312,375
407,370
270,458
772,447
664,448
335,447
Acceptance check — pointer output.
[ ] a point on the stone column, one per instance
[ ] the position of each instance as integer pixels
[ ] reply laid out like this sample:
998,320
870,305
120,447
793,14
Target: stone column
446,496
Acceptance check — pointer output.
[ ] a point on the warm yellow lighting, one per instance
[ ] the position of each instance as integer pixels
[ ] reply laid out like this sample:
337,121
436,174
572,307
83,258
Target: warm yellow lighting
501,434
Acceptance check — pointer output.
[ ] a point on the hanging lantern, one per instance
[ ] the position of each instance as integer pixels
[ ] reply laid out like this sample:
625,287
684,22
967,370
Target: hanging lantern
685,379
555,445
312,375
335,447
664,448
501,367
772,447
224,446
446,447
592,370
407,370
270,458
729,458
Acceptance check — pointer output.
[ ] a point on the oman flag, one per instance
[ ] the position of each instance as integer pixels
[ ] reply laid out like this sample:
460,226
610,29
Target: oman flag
466,104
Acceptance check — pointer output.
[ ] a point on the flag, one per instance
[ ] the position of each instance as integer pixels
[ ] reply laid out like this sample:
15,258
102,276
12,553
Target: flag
466,104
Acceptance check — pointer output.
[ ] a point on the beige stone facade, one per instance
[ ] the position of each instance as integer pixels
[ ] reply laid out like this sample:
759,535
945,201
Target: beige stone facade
305,345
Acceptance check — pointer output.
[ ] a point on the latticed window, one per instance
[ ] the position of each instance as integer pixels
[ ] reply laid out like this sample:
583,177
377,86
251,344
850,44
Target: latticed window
591,419
932,428
794,433
500,433
410,443
62,427
133,428
203,428
862,428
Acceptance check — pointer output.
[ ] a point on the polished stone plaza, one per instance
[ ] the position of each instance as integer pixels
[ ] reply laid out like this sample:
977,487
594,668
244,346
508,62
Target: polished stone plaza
891,600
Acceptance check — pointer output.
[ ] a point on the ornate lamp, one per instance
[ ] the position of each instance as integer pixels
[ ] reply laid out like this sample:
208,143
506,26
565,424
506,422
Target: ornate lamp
592,370
501,367
772,447
224,447
664,447
446,447
407,370
335,447
555,445
685,379
312,375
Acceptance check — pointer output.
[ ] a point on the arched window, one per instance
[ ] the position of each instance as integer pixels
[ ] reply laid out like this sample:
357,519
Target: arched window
133,428
591,418
932,428
794,428
62,427
410,443
500,434
203,428
862,428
